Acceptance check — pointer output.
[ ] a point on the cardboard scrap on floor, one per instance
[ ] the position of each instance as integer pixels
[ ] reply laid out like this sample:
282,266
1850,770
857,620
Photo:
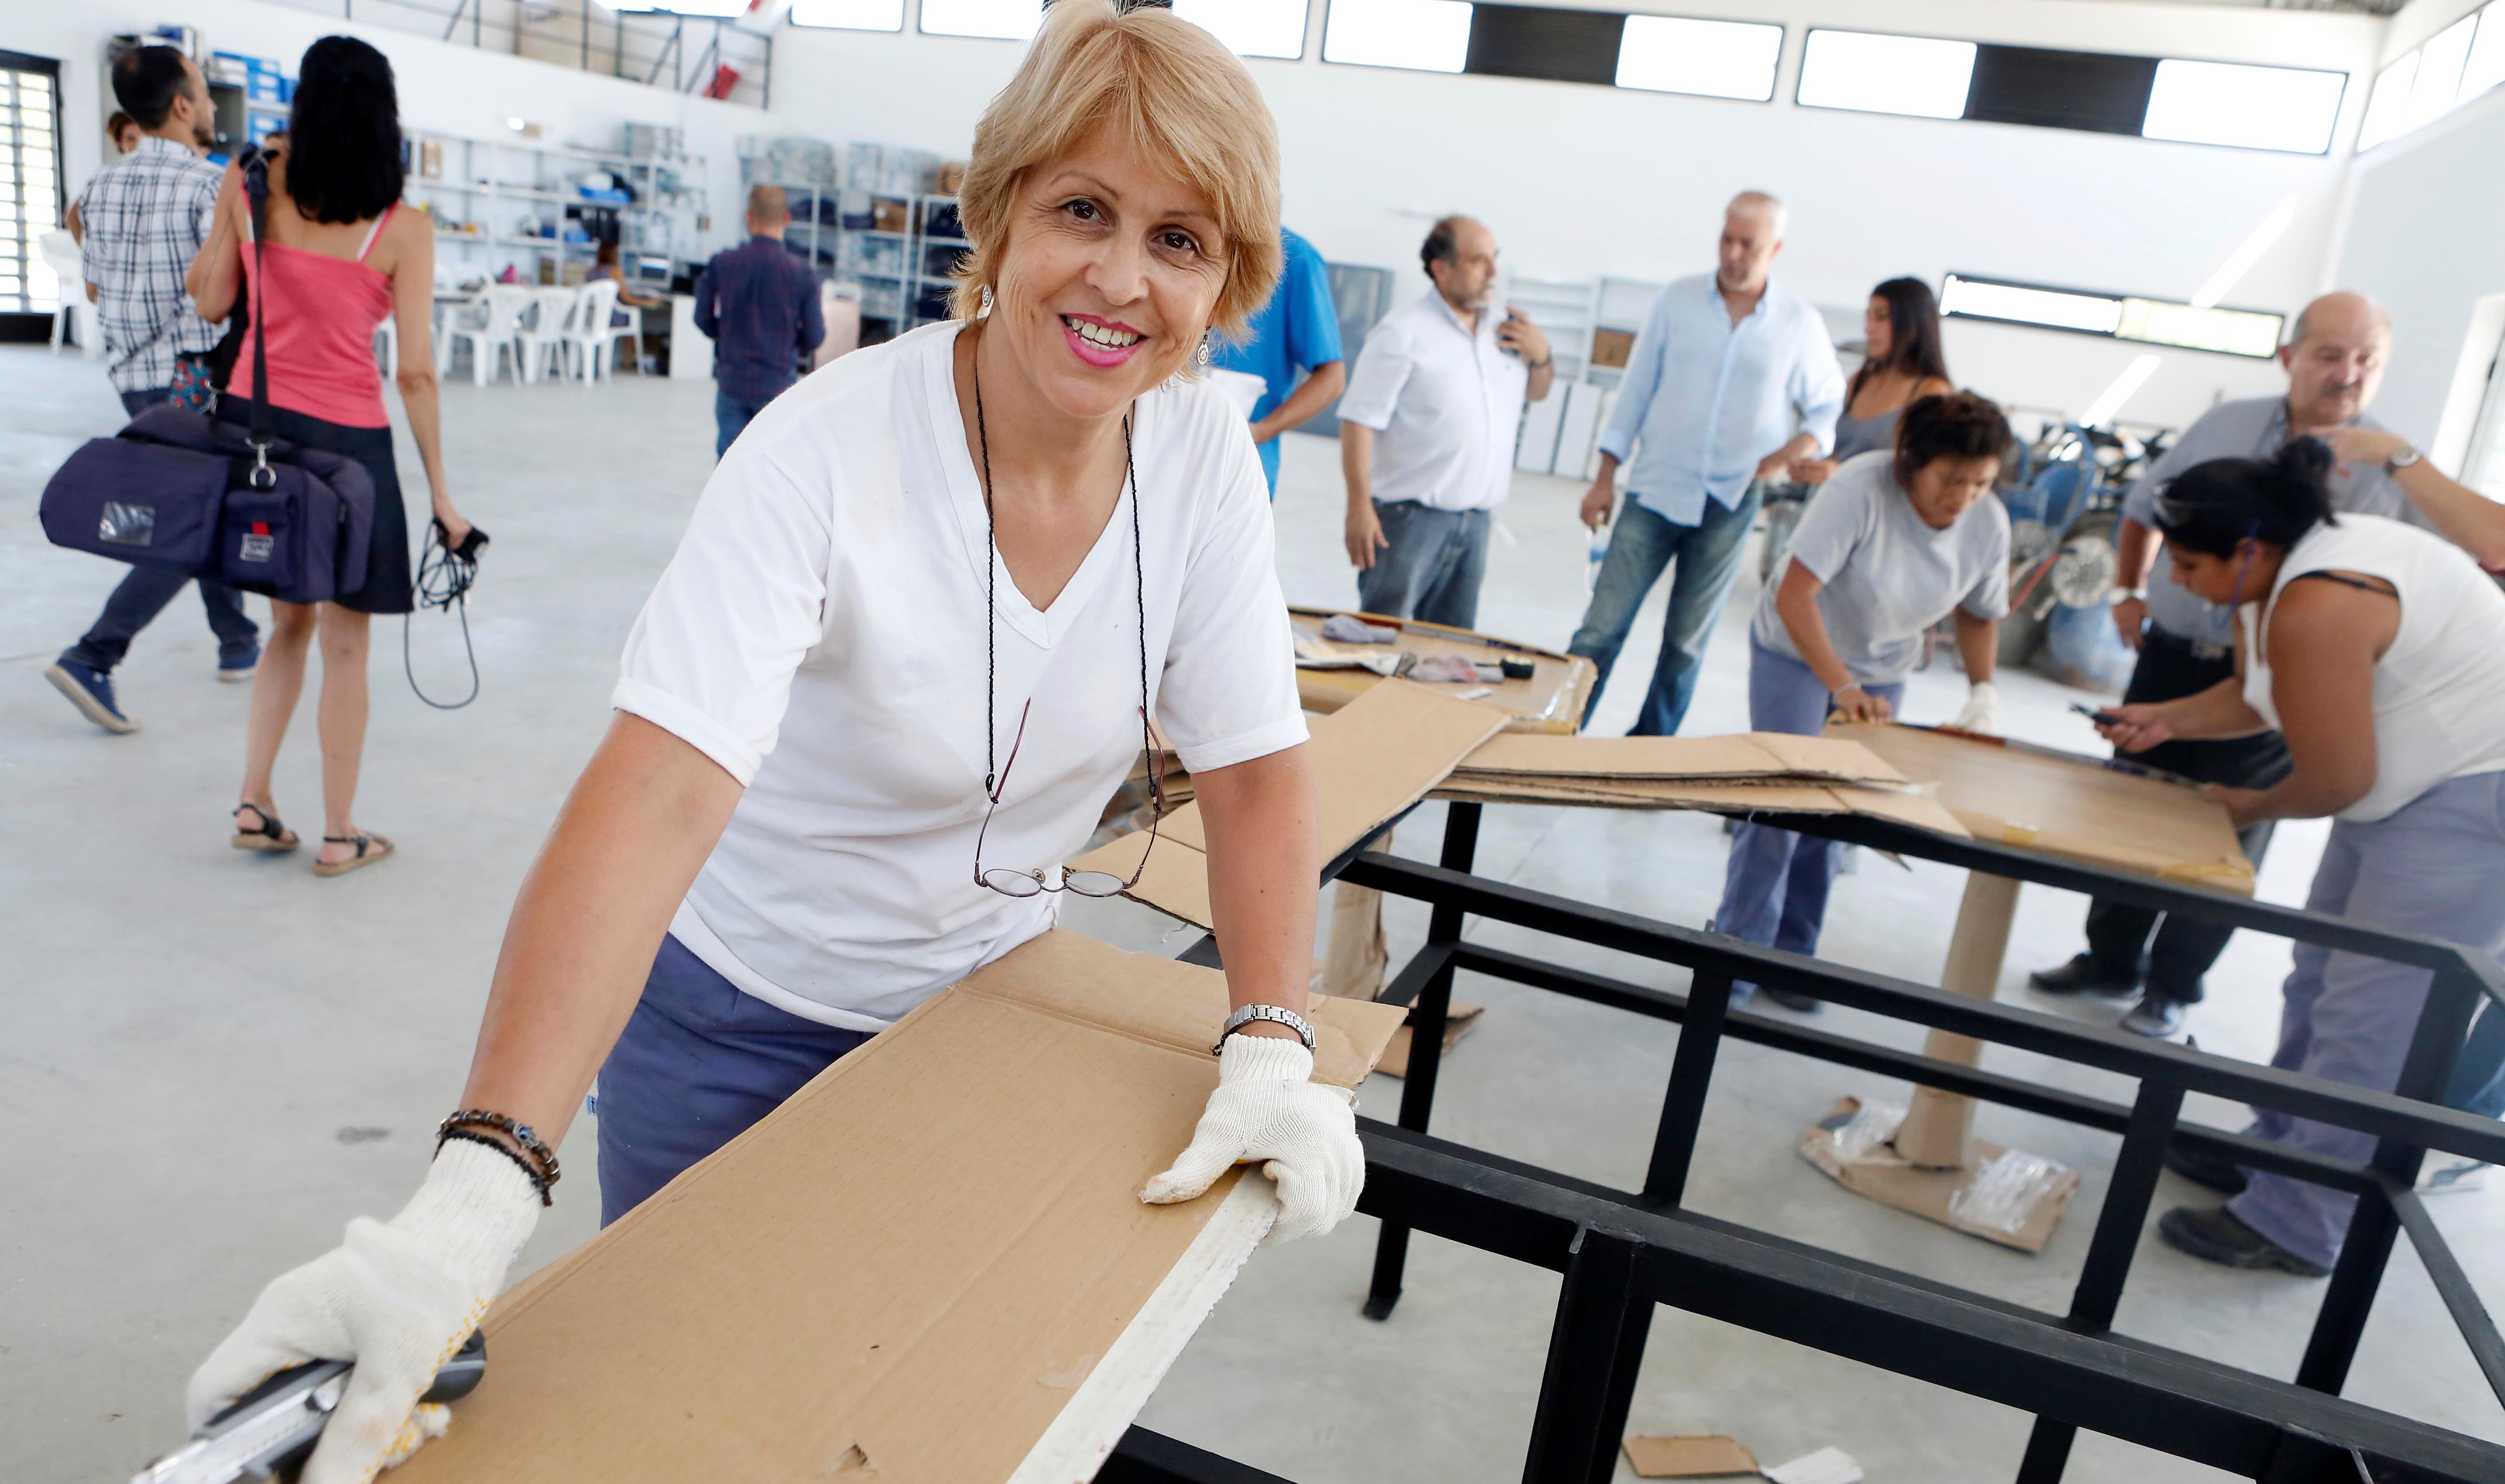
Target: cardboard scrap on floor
1458,1021
1689,1458
2002,1195
930,1266
1371,758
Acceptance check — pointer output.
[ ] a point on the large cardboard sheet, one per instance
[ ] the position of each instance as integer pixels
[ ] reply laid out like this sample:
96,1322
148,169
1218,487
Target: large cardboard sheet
1741,758
2068,806
930,1266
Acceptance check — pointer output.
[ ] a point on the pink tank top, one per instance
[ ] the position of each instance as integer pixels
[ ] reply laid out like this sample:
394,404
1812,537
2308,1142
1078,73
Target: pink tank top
320,314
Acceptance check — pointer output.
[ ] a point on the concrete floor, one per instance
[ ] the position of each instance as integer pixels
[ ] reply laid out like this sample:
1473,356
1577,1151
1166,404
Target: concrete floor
212,1061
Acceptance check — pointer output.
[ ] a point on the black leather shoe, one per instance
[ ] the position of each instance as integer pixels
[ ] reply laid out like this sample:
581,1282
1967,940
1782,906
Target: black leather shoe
2217,1236
1794,999
2083,975
2224,1175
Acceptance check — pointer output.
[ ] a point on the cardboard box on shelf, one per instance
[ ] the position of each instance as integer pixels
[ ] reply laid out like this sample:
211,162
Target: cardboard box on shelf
930,1264
887,215
1612,348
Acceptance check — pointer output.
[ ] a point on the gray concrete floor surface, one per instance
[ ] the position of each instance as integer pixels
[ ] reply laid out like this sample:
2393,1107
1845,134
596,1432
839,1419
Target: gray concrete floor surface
210,1061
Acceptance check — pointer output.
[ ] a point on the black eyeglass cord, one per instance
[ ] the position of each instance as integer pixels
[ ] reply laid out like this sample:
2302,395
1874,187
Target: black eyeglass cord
991,586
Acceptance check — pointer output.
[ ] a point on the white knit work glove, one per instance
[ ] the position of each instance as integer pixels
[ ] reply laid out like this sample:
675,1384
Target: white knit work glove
1266,1108
1982,711
397,1298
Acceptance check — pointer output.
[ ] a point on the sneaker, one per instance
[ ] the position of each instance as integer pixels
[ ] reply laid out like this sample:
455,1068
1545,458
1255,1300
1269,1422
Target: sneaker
2155,1018
2217,1236
2208,1171
236,669
2083,975
2446,1172
91,691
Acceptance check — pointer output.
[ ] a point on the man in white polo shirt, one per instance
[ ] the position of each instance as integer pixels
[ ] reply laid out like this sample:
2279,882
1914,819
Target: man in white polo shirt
1426,430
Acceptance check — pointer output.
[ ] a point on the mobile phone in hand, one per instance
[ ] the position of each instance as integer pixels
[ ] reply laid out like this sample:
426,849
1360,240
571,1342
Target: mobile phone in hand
2100,717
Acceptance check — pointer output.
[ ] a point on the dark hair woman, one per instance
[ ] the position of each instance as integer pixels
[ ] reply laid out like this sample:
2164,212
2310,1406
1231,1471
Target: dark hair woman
1902,364
2378,650
1886,549
339,255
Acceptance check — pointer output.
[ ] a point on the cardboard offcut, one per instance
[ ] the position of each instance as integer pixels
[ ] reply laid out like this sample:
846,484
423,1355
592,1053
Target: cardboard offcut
2003,1195
1551,700
1741,758
1706,1457
930,1266
1458,1021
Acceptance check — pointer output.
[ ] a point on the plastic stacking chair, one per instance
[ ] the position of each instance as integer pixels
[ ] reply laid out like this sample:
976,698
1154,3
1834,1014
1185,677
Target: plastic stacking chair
544,336
593,336
498,332
387,345
76,317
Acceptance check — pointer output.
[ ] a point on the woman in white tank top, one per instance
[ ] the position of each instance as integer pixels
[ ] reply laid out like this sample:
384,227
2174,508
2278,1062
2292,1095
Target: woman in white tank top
2378,650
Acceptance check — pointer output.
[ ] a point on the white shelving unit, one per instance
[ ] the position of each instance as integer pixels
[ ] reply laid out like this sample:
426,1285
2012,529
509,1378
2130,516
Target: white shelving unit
1562,435
483,192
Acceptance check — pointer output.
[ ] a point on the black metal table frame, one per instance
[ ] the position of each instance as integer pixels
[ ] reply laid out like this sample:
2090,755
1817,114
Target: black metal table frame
1621,1252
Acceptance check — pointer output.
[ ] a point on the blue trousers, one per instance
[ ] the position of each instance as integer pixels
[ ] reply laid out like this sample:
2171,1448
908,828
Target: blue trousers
699,1062
732,416
1642,542
2433,868
1774,888
1431,569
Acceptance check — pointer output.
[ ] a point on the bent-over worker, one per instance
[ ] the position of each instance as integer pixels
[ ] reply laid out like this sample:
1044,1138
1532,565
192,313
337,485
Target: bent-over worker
2378,649
1889,545
908,650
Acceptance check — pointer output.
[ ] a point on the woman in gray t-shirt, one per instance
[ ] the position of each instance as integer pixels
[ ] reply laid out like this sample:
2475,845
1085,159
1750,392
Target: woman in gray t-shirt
1889,545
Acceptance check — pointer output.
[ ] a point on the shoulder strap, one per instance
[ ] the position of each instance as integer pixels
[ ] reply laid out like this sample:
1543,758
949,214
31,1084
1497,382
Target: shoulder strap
256,190
375,230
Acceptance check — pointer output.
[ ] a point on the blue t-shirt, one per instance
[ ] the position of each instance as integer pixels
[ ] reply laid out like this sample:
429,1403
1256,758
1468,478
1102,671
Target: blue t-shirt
1297,331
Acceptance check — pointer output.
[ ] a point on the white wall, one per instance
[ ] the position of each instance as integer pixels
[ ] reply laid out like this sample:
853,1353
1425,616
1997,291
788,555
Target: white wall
1580,181
448,89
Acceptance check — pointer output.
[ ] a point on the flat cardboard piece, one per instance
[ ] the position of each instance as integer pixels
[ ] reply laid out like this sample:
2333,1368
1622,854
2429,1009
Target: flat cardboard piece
2003,1195
1689,1458
1458,1021
2075,807
1720,799
930,1266
1551,700
1742,757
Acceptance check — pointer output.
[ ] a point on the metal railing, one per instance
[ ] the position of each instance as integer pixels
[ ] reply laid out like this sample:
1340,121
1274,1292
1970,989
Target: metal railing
682,54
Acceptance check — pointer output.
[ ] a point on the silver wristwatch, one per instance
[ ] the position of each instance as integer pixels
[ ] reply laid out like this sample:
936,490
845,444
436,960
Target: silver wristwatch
2402,458
1249,1013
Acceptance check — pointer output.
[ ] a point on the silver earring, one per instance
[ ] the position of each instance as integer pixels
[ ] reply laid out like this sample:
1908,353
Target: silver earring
1200,358
987,303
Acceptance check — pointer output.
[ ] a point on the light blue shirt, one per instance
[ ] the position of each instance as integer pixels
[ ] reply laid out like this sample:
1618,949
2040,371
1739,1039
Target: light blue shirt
1703,400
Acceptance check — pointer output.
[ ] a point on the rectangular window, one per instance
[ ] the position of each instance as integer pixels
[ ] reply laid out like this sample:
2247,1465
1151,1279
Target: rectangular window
850,15
1250,27
29,282
2122,317
2389,106
2485,67
2253,108
1000,19
1915,76
2023,304
2438,84
1710,59
1422,35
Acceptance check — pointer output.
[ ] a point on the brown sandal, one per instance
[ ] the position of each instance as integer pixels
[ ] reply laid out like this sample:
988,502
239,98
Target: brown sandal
271,835
370,848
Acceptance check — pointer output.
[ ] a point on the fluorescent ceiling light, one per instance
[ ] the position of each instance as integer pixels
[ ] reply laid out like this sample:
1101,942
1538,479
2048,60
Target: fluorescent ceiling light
2053,308
2388,109
1712,58
2133,376
2255,108
1912,75
2228,332
2433,91
1250,27
1003,20
850,15
1425,35
2485,67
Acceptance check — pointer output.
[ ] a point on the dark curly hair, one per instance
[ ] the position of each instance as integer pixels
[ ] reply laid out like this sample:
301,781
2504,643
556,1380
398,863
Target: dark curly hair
2209,507
1949,425
344,159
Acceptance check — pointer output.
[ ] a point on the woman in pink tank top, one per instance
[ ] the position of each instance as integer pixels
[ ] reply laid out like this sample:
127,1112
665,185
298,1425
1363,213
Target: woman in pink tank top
340,257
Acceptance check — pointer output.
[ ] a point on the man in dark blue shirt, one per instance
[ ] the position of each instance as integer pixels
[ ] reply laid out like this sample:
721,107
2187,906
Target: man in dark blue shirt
759,305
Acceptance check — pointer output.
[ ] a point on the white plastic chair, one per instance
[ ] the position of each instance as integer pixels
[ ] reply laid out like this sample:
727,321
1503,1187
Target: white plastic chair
544,337
499,331
593,336
75,316
387,345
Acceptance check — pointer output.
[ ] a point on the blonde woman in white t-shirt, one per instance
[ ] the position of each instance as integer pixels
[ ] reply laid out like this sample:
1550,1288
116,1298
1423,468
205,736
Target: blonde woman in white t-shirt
907,651
2378,650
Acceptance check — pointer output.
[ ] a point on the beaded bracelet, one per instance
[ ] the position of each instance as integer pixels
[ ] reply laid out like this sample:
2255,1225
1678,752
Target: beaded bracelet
520,1133
539,1181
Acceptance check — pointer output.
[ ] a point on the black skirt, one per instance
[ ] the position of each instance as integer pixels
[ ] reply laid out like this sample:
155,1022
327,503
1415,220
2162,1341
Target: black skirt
387,570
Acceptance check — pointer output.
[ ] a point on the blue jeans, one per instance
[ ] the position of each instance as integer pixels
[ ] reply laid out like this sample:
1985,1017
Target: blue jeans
1774,888
1707,558
1431,569
2479,1076
2431,867
699,1062
143,593
731,416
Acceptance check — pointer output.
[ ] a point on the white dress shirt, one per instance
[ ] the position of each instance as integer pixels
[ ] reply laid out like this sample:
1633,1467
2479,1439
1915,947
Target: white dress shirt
1445,403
